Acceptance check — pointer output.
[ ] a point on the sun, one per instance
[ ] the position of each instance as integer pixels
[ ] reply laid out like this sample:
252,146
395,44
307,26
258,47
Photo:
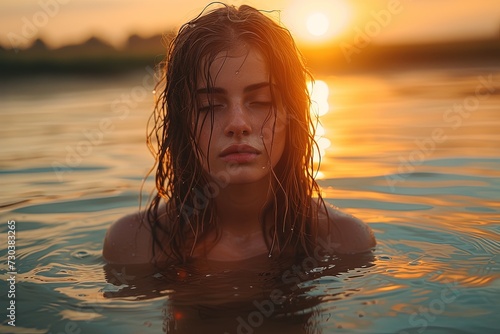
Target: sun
316,21
317,24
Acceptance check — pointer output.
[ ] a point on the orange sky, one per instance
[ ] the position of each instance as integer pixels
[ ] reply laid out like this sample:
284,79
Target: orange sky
71,21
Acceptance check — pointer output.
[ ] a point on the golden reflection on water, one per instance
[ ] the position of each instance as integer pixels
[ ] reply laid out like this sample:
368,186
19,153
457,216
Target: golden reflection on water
79,316
436,228
319,92
374,125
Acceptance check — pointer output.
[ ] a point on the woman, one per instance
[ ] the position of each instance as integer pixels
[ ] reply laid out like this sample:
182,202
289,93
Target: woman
234,153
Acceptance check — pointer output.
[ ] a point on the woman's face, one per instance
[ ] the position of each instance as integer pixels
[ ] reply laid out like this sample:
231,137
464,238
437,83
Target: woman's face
244,136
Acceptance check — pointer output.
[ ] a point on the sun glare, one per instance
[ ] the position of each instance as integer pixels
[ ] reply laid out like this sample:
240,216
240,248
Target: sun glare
317,24
316,21
319,93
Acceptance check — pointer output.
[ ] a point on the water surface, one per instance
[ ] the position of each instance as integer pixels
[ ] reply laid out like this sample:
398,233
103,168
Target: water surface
413,153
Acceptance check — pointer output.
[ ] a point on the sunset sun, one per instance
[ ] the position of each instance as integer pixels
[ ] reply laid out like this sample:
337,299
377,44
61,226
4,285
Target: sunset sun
317,20
317,24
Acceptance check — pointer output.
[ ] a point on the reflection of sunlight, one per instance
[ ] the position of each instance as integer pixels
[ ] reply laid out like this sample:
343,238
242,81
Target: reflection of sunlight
319,96
319,92
79,316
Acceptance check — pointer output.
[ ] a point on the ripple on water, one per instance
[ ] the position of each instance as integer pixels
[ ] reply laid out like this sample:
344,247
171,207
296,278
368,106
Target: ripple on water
82,205
437,231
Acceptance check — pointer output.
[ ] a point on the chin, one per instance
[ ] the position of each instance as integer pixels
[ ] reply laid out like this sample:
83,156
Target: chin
241,175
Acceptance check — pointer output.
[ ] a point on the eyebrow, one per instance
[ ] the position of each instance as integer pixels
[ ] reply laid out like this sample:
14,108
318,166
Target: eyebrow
218,90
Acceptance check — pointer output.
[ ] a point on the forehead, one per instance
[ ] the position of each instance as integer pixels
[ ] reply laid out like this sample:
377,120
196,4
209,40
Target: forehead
237,65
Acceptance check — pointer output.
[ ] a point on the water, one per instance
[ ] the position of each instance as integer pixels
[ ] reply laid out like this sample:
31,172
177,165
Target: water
415,154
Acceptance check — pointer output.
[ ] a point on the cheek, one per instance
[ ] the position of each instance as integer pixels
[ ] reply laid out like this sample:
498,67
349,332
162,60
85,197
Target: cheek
204,138
275,126
274,134
281,126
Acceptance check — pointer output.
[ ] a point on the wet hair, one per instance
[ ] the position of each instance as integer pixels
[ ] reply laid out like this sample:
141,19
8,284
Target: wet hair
182,212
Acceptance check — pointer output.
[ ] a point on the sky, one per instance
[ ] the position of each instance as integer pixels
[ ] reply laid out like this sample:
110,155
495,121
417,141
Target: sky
61,22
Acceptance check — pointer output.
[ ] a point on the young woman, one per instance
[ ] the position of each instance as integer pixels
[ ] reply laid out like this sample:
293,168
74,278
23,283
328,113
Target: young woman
234,148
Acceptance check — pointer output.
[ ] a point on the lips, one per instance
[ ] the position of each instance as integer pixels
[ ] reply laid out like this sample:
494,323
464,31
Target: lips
240,153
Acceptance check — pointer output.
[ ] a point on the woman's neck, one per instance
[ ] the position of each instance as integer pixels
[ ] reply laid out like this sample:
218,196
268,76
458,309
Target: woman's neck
239,206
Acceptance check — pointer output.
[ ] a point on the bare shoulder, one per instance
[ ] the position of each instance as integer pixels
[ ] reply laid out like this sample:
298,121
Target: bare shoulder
128,241
351,235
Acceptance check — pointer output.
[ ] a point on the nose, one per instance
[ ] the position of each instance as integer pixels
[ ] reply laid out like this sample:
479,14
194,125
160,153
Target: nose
238,121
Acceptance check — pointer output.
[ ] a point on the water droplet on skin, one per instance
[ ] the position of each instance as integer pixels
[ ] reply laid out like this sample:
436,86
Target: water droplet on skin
237,72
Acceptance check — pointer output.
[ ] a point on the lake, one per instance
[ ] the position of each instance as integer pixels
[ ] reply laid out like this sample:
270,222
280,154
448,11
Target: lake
414,153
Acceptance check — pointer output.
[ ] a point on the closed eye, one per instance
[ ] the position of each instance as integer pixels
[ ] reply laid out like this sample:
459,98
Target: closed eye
261,104
207,108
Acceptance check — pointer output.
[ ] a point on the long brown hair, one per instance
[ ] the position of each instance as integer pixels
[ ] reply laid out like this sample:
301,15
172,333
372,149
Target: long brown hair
181,184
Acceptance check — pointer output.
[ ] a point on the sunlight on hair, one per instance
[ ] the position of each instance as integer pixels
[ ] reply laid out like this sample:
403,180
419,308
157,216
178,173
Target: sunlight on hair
319,93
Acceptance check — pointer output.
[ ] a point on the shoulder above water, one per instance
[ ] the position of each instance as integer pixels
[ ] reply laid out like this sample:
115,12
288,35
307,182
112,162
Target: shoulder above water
350,235
128,241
